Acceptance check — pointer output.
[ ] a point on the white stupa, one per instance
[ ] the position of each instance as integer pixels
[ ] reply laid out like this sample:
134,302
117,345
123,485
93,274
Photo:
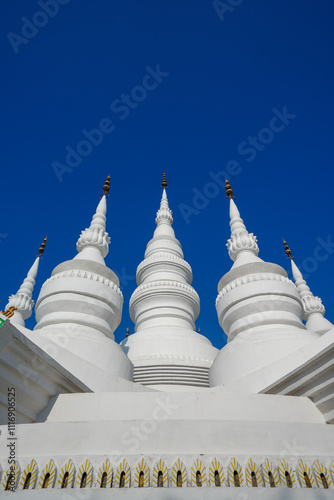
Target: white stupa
166,351
258,307
254,421
80,306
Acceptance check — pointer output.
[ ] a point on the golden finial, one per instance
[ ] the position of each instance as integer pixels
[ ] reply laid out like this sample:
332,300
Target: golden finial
127,332
199,330
288,252
106,187
42,248
164,182
229,192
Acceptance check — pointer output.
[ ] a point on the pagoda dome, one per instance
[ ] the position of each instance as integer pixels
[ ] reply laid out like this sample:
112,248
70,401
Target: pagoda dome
166,351
80,305
259,309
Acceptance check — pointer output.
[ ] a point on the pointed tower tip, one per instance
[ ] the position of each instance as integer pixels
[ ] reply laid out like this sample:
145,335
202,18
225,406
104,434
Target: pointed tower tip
101,209
164,214
164,182
297,275
34,268
93,243
229,192
242,245
41,249
106,188
234,212
288,252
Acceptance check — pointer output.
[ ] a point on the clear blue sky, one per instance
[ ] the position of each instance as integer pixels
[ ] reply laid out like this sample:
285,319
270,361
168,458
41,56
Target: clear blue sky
222,72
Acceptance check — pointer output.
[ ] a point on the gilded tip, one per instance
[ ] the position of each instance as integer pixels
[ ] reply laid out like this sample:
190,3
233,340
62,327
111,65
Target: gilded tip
164,182
127,332
41,249
288,252
106,187
229,192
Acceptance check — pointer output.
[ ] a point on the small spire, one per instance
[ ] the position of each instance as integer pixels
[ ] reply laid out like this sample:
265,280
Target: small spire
93,243
41,249
22,300
242,243
288,252
127,332
106,188
229,192
164,182
199,330
313,307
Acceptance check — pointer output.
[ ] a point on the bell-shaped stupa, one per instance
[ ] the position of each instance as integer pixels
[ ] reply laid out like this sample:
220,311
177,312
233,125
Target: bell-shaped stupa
258,306
80,306
166,351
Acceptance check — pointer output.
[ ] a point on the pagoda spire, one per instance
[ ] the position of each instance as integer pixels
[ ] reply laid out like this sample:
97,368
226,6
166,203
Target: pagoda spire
242,246
164,218
313,307
93,243
22,300
165,349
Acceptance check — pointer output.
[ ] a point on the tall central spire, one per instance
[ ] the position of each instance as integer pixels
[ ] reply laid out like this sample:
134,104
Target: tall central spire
166,351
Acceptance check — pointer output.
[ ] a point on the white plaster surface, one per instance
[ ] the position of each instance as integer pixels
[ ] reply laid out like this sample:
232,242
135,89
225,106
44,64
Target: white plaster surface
207,406
203,423
275,373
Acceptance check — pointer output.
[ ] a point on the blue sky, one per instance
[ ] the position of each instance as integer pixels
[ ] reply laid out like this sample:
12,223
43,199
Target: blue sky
193,88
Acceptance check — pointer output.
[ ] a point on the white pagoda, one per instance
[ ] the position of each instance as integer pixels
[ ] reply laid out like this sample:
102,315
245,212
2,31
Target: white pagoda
165,415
